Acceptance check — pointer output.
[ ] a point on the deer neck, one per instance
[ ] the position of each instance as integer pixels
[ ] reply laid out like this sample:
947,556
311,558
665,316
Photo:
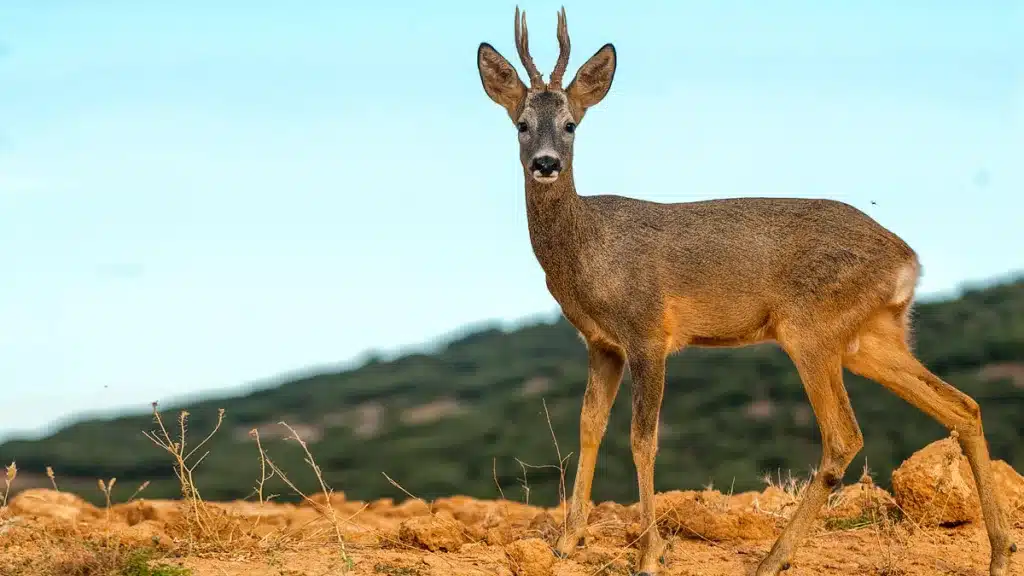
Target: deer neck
558,220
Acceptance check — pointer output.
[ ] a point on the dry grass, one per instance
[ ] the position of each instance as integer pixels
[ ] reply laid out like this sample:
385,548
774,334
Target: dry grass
88,558
11,473
326,509
202,521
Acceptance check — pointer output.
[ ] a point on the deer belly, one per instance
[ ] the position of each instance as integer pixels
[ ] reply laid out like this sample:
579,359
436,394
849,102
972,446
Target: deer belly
707,322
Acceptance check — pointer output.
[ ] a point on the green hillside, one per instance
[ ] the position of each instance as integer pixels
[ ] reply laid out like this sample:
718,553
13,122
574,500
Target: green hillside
449,422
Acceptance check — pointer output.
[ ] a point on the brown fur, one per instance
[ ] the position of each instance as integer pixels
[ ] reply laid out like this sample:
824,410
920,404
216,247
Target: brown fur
641,279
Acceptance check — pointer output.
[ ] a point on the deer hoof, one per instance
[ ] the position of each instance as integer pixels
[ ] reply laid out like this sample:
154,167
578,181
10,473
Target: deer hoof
786,566
1013,547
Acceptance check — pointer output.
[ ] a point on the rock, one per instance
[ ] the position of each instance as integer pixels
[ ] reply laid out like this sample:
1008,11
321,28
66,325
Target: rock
498,535
772,500
1009,484
607,520
147,533
165,511
337,499
440,531
304,516
544,525
46,503
607,511
530,557
515,515
411,507
862,501
935,486
708,516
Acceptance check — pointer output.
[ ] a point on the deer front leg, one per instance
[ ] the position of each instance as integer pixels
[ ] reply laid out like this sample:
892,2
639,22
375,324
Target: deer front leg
605,375
648,372
822,375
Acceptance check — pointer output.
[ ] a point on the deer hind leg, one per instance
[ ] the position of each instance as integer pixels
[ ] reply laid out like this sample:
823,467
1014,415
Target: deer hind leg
605,375
648,373
884,356
821,371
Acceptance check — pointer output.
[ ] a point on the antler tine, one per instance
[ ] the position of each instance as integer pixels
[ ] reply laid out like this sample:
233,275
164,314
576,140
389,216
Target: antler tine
523,47
563,52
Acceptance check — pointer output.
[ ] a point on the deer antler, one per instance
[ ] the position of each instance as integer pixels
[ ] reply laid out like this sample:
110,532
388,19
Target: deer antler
523,47
563,52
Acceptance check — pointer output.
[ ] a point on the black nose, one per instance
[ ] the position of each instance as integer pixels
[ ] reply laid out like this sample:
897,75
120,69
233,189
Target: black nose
546,165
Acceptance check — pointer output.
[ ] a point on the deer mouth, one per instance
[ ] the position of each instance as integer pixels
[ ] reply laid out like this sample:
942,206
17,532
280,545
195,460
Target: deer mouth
545,178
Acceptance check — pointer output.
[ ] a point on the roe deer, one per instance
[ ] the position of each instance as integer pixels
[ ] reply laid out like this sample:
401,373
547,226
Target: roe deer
640,280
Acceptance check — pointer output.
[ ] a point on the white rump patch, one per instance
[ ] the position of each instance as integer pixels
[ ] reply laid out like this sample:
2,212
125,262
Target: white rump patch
906,281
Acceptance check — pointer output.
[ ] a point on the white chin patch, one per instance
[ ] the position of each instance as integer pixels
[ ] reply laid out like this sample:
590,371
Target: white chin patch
545,179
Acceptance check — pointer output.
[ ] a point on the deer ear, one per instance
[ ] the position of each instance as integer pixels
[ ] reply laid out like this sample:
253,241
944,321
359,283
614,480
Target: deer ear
500,80
594,79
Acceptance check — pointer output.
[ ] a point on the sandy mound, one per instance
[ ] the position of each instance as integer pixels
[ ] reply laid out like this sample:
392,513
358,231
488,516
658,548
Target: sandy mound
530,557
706,515
436,532
935,486
46,503
161,511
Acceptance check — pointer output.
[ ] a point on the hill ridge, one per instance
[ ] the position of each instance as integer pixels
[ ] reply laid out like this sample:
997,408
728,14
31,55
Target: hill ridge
455,419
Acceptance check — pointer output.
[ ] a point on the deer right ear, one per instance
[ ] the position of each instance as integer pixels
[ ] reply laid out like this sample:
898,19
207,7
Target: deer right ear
594,79
500,80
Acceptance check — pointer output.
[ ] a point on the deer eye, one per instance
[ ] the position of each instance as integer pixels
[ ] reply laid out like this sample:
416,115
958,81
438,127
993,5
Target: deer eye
522,127
570,127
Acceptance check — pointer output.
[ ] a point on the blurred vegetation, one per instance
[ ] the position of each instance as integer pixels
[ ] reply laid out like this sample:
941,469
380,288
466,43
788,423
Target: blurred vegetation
471,417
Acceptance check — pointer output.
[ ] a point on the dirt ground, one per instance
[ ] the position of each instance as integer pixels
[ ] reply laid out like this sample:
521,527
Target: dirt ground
930,526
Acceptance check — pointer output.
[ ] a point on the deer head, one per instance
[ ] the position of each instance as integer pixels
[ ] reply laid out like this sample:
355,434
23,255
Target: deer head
545,115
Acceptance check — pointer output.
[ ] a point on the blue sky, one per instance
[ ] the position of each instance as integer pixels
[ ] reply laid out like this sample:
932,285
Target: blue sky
198,195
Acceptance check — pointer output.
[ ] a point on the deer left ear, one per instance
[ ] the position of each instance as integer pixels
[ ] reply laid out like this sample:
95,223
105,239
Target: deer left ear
594,79
500,80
